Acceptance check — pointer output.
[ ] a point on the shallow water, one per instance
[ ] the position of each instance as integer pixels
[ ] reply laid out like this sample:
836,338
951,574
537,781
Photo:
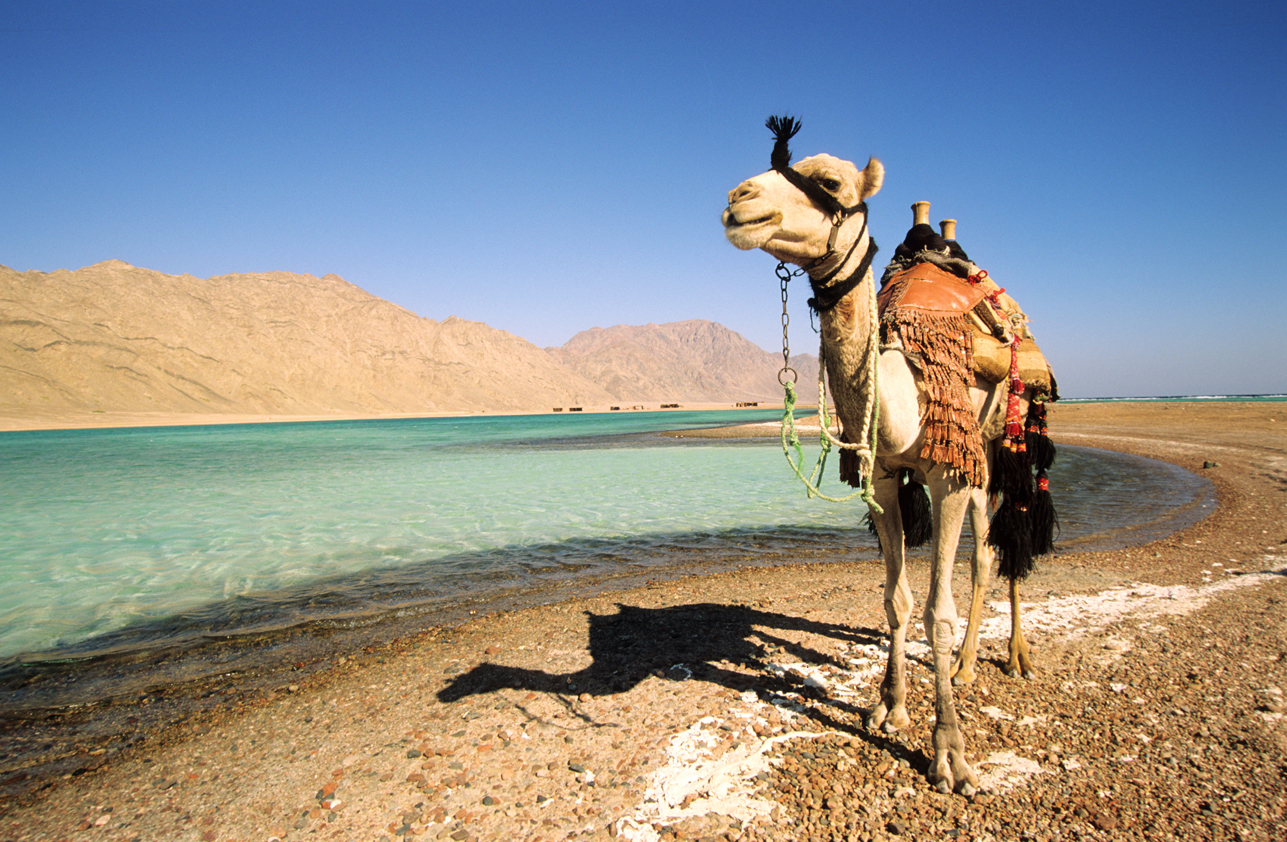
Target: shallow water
115,541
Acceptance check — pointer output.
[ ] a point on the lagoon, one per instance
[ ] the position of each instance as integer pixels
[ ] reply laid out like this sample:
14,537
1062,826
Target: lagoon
114,539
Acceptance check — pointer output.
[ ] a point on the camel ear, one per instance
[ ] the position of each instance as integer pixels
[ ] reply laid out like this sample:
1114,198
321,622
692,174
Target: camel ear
872,178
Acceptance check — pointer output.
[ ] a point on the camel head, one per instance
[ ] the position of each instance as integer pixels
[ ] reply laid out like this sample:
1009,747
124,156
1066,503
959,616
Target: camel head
771,212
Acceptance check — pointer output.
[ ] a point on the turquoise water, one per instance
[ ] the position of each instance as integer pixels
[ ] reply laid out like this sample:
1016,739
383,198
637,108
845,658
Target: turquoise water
111,539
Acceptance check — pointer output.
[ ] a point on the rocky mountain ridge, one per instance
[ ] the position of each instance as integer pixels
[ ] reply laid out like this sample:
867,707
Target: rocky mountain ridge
117,338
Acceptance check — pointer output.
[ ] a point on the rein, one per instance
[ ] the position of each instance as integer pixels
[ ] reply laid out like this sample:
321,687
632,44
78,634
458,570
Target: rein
865,446
826,296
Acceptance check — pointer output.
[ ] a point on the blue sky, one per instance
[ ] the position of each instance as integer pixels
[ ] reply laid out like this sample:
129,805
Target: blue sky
550,167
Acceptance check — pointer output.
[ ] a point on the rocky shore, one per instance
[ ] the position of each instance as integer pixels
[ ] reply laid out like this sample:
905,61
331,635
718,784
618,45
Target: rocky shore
730,706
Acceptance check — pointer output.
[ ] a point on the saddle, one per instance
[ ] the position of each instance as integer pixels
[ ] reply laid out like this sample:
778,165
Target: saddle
923,311
929,289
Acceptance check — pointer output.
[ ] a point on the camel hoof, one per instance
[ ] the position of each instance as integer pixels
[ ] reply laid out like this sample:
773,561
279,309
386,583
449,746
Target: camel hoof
944,787
967,789
962,675
1029,674
1012,672
889,727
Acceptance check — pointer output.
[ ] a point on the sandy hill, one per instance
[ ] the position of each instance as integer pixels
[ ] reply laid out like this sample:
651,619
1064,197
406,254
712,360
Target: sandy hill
697,360
116,338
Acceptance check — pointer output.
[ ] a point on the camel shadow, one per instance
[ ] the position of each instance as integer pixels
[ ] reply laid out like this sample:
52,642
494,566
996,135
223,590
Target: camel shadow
698,641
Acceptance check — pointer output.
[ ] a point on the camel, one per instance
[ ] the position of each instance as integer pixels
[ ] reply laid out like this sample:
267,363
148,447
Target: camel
814,215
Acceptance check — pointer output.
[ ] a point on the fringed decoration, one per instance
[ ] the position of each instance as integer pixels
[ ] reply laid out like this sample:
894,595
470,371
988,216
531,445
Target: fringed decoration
1011,532
1045,523
1011,475
946,345
1011,535
915,512
1041,451
850,465
914,505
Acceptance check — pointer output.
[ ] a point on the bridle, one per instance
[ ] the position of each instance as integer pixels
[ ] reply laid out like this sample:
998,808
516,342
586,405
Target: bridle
826,294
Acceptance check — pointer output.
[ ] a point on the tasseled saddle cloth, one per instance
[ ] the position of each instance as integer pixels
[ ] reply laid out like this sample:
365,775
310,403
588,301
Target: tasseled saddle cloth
925,309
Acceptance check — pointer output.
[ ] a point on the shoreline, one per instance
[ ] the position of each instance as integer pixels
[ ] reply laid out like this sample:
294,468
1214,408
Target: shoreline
23,421
557,716
109,420
27,421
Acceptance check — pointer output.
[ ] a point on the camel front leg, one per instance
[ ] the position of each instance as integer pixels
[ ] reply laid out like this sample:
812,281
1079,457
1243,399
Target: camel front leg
980,573
890,713
950,770
1020,659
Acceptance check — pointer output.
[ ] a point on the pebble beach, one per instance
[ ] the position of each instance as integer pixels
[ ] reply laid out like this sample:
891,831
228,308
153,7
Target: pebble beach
729,706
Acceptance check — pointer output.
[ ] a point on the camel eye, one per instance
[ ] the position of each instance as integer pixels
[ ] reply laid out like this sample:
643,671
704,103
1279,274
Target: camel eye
831,185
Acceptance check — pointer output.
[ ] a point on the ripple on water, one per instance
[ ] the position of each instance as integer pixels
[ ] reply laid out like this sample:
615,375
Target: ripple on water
129,542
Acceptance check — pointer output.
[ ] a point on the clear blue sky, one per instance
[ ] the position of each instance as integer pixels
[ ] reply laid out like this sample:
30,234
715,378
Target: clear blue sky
551,167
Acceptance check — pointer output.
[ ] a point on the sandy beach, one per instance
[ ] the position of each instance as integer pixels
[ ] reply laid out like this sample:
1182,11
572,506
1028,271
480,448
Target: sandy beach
730,706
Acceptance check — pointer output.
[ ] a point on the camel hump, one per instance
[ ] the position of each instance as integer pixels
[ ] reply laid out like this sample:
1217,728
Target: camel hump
928,288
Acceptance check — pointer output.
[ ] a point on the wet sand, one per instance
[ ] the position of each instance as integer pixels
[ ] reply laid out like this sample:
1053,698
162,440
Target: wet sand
729,706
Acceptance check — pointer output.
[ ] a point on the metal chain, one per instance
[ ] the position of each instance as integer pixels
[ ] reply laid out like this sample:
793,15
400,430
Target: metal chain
866,446
784,277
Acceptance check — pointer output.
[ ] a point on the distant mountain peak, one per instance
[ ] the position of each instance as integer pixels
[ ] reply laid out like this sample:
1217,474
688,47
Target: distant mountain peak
113,337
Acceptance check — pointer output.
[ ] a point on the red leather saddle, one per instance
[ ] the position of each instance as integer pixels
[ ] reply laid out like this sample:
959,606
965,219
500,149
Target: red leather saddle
930,289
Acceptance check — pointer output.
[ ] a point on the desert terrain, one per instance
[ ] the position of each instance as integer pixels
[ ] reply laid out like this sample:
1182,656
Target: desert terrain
730,706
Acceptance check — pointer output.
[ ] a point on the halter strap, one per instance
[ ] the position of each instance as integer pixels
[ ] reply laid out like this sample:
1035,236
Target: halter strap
826,297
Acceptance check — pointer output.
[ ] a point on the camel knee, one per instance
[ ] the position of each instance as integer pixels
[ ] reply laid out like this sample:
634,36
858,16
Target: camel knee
940,631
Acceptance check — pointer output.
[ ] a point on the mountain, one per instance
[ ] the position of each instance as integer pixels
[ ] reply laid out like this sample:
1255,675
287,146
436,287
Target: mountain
116,338
694,360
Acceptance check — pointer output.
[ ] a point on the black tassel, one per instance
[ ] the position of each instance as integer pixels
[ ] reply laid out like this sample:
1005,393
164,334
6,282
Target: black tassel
1045,523
914,505
914,510
783,128
1011,476
1010,534
870,523
1041,450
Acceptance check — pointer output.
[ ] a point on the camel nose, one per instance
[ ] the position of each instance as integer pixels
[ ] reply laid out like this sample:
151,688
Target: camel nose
746,190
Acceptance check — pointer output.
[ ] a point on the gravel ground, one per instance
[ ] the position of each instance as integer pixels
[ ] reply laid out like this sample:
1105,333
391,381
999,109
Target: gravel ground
729,706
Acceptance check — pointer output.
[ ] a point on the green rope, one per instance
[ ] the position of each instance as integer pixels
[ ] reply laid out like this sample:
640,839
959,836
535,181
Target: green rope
790,441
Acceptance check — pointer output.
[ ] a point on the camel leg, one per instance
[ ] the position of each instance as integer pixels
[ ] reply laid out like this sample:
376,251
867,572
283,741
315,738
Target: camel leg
890,713
1020,659
980,573
950,770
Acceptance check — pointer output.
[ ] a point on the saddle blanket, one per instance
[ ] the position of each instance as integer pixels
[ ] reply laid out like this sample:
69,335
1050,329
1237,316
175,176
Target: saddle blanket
929,289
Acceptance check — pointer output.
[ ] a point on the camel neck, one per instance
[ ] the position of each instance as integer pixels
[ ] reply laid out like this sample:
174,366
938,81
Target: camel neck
833,285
